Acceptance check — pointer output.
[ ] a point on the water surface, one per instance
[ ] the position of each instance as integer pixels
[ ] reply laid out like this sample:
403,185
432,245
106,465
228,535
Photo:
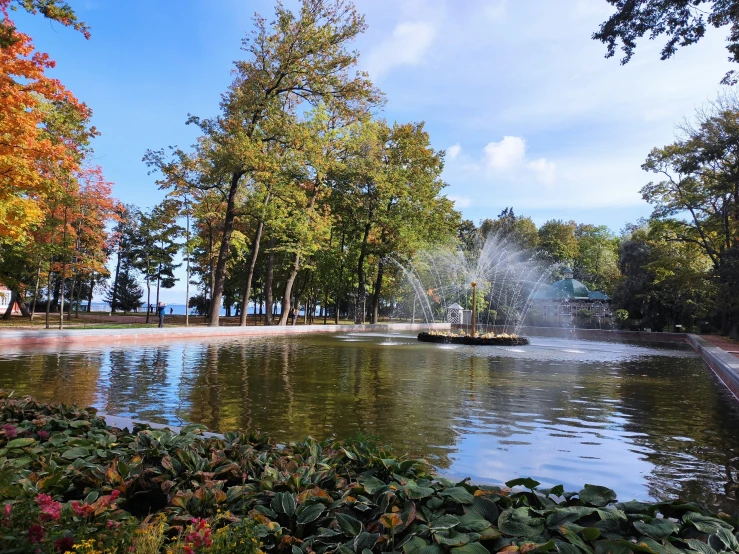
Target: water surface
649,422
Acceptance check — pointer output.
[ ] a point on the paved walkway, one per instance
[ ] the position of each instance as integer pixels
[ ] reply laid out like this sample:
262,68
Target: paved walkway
726,344
55,337
723,360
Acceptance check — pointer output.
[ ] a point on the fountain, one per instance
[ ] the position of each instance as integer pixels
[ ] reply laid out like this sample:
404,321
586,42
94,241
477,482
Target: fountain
495,283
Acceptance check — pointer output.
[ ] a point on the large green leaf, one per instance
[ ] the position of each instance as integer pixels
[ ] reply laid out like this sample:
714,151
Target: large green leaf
348,525
451,537
445,522
486,508
727,539
371,484
657,528
414,545
700,546
706,524
76,452
610,547
594,495
569,532
20,443
518,524
473,522
365,540
523,482
415,492
470,548
310,513
459,494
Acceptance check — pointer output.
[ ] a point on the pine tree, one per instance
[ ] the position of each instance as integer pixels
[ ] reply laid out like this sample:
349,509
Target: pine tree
128,292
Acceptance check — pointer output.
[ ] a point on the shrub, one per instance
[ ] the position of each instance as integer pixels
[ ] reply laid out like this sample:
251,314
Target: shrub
70,483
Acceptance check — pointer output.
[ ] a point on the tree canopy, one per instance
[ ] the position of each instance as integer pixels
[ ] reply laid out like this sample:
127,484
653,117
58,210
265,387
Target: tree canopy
684,22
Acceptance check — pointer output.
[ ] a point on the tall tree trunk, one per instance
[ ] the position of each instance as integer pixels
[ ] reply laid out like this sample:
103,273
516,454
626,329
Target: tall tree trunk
250,272
114,295
220,276
361,299
77,305
212,276
48,293
159,280
35,289
71,297
268,281
21,304
187,269
148,291
92,290
376,297
288,290
64,272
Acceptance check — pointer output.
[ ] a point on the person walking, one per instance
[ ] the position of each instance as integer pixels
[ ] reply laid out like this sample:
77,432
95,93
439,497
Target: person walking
161,307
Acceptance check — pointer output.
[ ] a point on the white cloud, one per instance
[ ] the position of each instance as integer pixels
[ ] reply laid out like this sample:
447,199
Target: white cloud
460,201
406,47
453,151
504,155
508,158
543,170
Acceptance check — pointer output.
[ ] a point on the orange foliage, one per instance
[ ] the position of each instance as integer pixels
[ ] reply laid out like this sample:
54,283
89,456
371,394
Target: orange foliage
33,160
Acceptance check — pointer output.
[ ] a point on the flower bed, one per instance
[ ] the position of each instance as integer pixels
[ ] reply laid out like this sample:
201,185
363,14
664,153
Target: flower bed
69,483
481,340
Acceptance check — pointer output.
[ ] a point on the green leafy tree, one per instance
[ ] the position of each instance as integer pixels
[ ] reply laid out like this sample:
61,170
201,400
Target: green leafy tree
557,239
683,22
514,229
297,59
697,198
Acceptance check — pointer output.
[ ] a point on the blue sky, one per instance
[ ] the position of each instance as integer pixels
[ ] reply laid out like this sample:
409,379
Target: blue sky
529,111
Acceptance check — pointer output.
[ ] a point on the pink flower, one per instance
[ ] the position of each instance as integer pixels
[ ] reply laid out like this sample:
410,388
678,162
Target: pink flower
11,431
43,435
50,509
8,509
82,510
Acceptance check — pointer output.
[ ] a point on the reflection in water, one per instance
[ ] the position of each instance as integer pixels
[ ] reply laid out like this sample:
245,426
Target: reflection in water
648,422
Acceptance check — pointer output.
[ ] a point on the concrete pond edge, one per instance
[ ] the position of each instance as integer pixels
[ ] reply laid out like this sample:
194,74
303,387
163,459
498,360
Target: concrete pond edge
723,364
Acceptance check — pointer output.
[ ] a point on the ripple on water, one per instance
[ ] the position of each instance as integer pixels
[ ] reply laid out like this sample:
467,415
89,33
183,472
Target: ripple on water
569,412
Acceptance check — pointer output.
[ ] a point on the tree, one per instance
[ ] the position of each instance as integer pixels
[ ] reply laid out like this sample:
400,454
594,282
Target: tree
56,10
697,200
155,248
557,239
128,292
597,261
684,22
299,58
44,127
517,230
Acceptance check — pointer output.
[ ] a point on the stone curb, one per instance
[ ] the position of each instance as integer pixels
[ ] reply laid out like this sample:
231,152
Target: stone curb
106,336
723,364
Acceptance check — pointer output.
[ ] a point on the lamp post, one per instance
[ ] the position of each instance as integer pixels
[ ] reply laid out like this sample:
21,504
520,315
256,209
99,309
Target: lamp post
474,307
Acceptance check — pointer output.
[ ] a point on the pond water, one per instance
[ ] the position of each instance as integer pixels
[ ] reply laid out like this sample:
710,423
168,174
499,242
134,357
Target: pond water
649,422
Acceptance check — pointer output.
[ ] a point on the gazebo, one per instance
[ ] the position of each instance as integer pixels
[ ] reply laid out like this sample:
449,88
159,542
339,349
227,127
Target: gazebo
568,298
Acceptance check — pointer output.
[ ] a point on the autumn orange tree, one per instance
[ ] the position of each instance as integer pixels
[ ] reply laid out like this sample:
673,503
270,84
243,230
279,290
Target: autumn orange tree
53,207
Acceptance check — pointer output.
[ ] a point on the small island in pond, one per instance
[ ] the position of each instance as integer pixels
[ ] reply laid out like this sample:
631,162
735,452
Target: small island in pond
478,340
